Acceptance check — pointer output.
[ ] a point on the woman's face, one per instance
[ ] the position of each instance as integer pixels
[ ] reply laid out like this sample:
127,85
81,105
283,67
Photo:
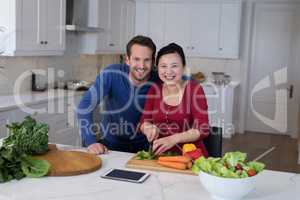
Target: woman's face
170,68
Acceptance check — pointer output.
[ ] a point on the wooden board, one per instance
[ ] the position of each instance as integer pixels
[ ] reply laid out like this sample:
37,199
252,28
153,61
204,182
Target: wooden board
69,163
153,165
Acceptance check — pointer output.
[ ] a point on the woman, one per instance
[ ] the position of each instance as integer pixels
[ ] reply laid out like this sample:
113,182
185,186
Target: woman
175,111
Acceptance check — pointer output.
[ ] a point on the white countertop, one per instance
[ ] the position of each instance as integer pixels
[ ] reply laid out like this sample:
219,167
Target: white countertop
272,185
9,102
232,84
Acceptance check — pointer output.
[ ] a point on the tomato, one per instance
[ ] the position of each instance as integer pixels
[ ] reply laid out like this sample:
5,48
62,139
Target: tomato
238,167
251,172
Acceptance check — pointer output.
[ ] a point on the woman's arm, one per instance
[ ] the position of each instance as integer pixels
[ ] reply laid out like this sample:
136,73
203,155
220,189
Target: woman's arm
146,122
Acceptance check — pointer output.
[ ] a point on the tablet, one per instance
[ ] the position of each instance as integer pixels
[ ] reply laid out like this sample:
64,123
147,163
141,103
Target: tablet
126,175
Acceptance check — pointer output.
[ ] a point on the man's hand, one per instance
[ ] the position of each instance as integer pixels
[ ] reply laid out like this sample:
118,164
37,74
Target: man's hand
151,131
97,148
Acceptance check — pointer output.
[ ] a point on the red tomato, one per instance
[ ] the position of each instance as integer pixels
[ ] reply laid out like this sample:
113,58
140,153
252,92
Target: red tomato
251,172
238,167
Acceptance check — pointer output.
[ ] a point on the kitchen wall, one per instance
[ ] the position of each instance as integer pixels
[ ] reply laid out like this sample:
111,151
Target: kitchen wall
206,66
83,67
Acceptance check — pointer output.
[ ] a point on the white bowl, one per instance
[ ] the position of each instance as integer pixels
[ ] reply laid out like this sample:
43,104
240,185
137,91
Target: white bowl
227,188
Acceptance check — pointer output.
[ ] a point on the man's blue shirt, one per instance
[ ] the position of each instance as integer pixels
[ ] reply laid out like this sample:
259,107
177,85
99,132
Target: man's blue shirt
122,104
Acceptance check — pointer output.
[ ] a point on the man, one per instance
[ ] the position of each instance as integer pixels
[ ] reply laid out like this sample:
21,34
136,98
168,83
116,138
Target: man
122,89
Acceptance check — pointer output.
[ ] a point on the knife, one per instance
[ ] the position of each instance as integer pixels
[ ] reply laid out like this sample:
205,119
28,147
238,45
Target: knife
150,149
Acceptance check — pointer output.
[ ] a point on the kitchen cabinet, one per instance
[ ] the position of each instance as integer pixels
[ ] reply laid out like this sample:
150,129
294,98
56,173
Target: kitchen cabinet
221,110
117,19
147,22
58,114
202,28
32,27
5,118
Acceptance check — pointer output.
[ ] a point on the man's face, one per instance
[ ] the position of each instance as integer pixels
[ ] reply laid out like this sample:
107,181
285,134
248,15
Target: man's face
140,62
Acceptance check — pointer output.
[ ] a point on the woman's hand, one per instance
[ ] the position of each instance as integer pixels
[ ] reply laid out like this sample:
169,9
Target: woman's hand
163,144
151,131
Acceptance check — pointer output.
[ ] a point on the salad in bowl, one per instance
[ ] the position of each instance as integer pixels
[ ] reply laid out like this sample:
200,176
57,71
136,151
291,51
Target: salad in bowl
230,177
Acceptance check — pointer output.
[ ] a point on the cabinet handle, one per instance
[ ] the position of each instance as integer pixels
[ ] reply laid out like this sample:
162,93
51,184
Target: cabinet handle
193,47
221,49
42,42
111,44
46,42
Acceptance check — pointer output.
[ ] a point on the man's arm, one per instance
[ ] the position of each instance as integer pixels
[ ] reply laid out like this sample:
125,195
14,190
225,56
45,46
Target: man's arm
88,103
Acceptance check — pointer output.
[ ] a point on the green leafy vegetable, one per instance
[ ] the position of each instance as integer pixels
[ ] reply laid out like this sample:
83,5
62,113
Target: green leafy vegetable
232,165
34,168
28,136
146,155
25,139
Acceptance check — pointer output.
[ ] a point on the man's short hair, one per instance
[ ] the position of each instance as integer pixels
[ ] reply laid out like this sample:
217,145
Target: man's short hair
143,41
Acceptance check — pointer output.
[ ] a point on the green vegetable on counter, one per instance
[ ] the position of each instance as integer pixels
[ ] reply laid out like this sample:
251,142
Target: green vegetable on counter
146,155
28,136
25,139
232,165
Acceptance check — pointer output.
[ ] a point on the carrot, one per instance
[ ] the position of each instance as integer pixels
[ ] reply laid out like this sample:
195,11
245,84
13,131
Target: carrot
175,165
181,159
190,165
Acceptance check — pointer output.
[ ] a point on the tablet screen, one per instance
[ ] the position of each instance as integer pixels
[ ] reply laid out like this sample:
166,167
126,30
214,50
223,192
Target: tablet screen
124,174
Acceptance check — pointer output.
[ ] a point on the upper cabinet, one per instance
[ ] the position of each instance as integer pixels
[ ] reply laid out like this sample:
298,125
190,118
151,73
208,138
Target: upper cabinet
202,28
117,19
32,27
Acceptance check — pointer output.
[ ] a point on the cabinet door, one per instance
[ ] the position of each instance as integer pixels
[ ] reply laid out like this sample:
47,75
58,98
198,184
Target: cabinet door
142,18
129,24
54,25
29,25
230,29
177,24
116,18
156,23
205,21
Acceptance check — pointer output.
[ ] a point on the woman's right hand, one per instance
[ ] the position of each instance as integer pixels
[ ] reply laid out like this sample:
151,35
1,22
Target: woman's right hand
151,131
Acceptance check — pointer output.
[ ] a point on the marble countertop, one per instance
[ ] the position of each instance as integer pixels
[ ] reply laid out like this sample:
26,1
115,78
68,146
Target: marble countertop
9,102
272,185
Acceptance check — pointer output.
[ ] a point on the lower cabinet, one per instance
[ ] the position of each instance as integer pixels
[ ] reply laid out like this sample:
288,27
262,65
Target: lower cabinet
221,112
58,114
5,118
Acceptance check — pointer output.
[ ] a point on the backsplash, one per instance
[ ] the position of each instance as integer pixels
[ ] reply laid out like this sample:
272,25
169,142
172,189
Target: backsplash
86,67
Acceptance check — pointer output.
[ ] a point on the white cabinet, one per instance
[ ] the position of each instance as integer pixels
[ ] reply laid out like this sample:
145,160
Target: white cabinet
202,28
33,27
58,114
178,31
148,23
5,118
221,110
229,39
117,19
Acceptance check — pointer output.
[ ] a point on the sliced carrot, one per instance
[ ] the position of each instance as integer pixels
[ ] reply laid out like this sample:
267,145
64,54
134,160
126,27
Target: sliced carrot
190,165
174,165
181,159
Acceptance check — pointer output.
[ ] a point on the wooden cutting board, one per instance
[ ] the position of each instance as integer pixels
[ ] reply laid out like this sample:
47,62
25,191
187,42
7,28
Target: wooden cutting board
69,163
153,165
